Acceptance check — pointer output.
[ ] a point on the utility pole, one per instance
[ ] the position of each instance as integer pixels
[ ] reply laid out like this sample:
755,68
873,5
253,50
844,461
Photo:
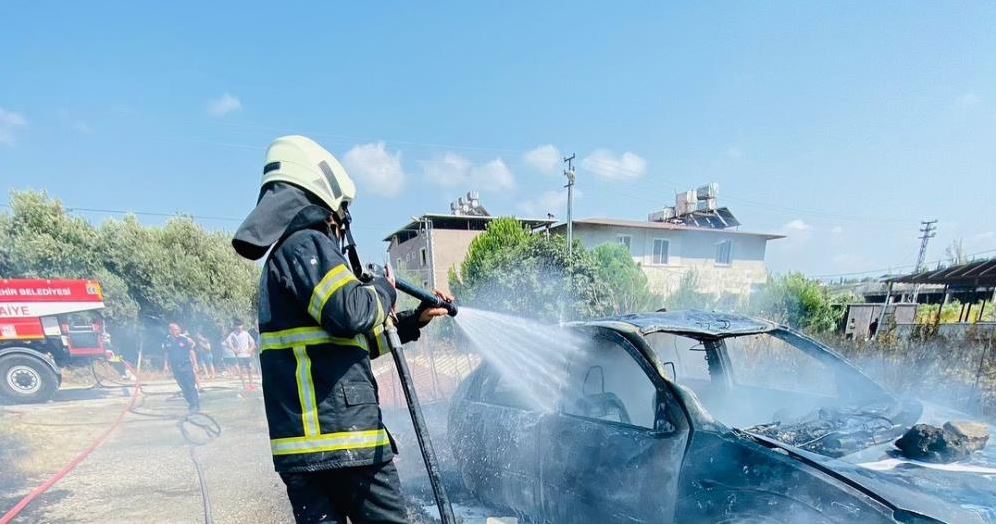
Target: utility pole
569,173
928,230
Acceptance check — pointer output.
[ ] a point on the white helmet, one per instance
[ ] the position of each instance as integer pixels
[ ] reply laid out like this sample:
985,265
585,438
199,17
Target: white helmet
302,162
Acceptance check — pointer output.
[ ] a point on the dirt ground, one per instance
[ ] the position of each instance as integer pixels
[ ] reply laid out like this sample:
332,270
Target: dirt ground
144,472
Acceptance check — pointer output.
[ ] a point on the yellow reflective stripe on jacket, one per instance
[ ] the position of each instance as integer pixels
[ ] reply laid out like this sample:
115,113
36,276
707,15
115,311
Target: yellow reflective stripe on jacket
335,278
380,306
304,336
380,340
306,392
330,442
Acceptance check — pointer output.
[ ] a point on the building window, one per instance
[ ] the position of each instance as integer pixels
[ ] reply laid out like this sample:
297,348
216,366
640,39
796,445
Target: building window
660,251
724,252
421,252
624,240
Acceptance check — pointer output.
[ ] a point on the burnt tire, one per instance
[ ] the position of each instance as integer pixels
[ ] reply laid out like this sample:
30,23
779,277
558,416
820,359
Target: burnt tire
26,379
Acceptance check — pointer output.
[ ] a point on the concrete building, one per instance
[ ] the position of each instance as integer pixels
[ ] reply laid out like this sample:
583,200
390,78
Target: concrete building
696,235
725,261
426,248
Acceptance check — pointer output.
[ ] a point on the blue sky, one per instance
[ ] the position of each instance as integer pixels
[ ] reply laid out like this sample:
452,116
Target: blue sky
841,124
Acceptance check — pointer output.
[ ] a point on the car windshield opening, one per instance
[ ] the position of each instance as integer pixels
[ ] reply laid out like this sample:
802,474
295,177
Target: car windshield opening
782,386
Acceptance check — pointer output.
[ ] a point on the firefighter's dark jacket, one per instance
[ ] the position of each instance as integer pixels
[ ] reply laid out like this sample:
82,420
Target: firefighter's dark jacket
319,329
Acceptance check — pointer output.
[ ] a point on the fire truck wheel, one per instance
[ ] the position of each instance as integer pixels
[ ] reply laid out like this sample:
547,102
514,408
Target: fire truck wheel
26,379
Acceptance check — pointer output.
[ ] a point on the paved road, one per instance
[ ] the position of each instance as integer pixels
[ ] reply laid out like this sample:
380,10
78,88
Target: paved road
143,473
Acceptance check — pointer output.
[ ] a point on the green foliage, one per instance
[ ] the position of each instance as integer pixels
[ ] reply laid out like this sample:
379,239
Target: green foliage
628,290
509,270
687,294
982,311
800,302
178,271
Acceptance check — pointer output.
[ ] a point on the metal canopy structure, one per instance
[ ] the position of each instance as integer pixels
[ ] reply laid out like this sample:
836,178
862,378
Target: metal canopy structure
978,273
974,275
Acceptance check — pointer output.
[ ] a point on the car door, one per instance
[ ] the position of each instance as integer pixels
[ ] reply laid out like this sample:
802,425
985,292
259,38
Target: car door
613,451
501,427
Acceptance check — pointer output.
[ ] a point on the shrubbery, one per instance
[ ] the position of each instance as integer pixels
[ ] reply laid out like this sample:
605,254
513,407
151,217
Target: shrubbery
150,275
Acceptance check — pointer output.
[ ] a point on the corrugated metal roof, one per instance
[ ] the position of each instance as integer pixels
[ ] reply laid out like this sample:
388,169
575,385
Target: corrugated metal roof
977,273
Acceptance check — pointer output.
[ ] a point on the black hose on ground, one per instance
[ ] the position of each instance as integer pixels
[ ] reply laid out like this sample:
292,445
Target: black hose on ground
186,423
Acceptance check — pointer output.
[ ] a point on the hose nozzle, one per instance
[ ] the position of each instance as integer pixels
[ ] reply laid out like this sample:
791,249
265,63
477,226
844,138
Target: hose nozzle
425,296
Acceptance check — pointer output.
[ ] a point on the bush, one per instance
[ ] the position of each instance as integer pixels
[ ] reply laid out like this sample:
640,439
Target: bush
800,302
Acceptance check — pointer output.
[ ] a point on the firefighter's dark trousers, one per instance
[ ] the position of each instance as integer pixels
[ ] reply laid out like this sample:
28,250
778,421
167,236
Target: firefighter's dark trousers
188,385
361,494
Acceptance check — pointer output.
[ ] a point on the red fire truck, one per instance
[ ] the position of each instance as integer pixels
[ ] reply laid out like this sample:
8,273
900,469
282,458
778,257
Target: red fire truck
46,325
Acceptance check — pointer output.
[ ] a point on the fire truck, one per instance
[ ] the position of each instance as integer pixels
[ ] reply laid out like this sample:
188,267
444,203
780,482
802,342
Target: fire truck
47,325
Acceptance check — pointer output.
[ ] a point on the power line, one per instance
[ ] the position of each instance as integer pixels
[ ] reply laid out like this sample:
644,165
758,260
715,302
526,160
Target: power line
762,205
184,215
603,165
895,267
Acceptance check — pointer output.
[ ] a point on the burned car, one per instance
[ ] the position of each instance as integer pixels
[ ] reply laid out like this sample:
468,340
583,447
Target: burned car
695,416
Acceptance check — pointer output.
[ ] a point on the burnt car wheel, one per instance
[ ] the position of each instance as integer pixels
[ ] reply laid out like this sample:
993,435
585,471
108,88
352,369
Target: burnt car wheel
26,379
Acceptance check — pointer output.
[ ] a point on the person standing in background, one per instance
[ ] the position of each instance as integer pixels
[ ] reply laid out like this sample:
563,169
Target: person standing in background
205,355
180,357
243,346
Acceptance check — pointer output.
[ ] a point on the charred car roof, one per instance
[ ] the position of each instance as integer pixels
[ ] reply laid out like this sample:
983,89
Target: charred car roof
695,322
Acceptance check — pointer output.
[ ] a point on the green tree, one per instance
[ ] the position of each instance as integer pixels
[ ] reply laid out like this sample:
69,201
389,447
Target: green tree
628,289
799,302
150,275
509,270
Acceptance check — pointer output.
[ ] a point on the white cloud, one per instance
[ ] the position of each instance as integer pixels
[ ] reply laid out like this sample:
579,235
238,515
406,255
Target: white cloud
797,225
797,230
607,165
10,123
451,170
734,152
836,230
494,175
375,168
223,105
968,100
544,159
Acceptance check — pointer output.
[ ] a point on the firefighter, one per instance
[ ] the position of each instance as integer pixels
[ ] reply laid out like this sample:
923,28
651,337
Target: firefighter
179,350
319,328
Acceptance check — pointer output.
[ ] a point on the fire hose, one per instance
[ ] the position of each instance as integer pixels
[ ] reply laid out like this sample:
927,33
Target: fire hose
210,428
41,489
411,397
408,386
